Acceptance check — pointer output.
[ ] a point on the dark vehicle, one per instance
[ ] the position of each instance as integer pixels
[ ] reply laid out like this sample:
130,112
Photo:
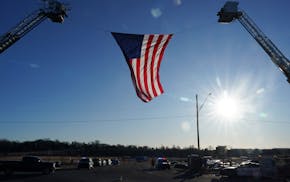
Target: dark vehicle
194,162
58,164
28,164
109,162
229,171
249,169
115,162
180,165
97,162
86,163
162,163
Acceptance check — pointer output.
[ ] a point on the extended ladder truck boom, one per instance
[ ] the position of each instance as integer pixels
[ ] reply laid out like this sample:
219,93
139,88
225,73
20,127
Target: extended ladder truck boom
230,12
53,10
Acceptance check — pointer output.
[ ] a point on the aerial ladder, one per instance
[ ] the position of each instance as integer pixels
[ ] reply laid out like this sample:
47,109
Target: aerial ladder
53,10
230,12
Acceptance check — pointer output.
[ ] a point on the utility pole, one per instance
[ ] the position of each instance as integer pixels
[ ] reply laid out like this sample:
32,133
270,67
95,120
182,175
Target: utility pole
197,124
197,116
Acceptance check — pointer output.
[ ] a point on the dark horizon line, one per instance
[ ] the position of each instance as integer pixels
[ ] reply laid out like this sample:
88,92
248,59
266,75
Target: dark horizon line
170,147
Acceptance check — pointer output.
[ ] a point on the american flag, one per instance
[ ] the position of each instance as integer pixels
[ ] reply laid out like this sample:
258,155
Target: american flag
144,54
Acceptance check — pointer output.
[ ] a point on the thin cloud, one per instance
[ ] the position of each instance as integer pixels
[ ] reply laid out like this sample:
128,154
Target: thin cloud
156,12
218,81
31,65
177,2
260,91
185,99
25,64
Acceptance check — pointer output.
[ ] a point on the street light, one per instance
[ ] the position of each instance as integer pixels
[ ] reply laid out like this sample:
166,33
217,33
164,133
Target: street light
197,111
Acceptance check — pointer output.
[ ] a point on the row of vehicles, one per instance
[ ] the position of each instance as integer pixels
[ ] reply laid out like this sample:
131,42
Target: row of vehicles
89,163
157,163
263,168
35,164
164,163
27,164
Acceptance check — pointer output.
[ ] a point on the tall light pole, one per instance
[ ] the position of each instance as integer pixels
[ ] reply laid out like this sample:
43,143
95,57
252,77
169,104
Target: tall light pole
197,117
197,124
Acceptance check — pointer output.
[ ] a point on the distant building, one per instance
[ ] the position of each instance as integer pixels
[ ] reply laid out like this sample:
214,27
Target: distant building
221,151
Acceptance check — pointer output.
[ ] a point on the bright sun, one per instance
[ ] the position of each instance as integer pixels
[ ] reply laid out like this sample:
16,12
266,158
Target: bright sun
235,102
228,107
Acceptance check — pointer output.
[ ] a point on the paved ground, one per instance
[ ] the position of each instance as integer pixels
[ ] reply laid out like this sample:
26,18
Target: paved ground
126,172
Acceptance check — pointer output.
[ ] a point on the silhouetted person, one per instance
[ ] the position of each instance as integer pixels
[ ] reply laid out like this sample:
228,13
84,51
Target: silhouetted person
152,162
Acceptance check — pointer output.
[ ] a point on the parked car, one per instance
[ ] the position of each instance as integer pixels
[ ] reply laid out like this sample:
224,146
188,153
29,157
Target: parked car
104,162
194,162
115,162
97,162
86,163
28,164
249,169
180,165
162,163
109,162
229,171
58,164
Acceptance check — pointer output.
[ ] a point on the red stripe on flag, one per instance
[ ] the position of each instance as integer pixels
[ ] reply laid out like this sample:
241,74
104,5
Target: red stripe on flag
135,69
160,37
148,46
138,75
159,62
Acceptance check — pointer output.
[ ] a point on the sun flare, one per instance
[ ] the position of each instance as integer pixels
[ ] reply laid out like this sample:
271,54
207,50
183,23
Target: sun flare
228,107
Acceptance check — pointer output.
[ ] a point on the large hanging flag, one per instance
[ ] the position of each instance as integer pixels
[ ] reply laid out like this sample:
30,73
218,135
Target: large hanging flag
144,54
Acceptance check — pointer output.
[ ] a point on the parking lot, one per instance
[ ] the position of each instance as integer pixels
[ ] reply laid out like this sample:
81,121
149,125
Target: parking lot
129,171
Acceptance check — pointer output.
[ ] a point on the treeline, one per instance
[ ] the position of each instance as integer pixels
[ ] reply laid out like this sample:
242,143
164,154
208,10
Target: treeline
55,147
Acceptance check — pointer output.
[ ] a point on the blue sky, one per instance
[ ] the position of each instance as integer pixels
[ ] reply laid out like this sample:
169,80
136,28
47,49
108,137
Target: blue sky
70,81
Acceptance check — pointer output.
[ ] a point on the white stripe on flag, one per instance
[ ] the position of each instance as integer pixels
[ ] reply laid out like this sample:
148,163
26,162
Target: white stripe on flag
142,62
150,61
155,72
